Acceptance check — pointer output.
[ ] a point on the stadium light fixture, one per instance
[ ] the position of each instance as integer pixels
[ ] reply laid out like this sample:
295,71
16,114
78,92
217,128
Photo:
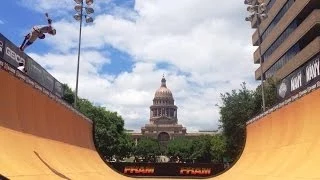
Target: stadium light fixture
89,19
78,1
78,16
89,10
258,8
89,2
78,7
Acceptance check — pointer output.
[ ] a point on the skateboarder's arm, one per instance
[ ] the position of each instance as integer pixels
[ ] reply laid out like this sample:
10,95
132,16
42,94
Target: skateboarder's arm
49,21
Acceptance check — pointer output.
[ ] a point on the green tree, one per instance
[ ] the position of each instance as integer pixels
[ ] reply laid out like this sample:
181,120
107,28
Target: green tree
68,95
240,106
201,149
125,147
218,147
180,147
270,95
148,148
109,131
236,109
111,139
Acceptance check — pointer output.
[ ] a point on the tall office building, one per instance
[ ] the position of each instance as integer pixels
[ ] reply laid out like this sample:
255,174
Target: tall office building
290,44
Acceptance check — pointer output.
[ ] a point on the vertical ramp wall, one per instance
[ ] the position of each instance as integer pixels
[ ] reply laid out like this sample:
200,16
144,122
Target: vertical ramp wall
284,145
40,138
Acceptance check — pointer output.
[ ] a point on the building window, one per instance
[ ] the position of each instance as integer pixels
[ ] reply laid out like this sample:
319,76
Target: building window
283,60
270,4
280,40
277,18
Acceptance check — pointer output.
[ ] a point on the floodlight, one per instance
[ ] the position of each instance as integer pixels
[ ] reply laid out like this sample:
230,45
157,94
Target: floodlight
77,17
263,16
78,7
250,18
89,19
263,7
250,2
252,8
78,1
89,2
89,10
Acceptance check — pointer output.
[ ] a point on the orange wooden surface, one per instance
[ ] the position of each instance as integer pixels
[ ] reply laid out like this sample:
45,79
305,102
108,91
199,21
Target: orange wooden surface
42,139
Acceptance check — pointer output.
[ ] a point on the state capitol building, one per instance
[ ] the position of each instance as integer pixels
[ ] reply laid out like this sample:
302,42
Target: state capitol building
163,123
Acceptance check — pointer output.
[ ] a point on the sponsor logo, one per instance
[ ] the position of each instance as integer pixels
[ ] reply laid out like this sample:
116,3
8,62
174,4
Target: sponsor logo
282,90
296,81
195,171
312,70
138,170
1,46
14,56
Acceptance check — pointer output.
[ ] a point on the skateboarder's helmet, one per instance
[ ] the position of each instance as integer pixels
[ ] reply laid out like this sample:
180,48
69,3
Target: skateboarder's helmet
53,31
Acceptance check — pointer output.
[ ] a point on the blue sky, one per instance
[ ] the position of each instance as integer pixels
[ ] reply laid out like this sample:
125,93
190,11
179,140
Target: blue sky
203,50
19,18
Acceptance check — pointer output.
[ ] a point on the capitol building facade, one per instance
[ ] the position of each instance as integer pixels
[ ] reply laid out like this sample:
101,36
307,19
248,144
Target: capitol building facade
163,123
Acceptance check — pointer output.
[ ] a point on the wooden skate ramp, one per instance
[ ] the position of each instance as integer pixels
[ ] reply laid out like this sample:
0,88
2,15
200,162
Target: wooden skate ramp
40,138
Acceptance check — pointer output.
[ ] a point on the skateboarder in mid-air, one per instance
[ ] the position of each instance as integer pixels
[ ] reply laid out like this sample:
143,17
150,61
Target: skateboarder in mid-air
36,32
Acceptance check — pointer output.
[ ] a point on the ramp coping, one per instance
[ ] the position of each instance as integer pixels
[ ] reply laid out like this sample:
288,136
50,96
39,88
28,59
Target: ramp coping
287,101
28,80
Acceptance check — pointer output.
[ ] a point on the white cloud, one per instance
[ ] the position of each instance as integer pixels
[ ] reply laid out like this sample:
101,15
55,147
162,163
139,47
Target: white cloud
1,22
211,42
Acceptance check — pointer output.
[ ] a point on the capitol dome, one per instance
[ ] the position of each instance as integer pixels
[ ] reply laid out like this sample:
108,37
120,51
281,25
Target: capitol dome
163,91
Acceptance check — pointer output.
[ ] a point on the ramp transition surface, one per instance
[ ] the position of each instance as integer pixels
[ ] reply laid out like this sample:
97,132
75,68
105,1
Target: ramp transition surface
40,138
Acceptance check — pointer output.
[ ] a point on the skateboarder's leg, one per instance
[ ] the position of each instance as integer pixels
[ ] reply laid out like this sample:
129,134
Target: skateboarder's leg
26,45
26,37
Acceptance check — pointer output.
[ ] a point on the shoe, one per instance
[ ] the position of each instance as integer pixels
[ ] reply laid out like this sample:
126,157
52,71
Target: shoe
22,68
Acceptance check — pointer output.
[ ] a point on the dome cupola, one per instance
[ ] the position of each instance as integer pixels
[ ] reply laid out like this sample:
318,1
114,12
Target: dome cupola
163,91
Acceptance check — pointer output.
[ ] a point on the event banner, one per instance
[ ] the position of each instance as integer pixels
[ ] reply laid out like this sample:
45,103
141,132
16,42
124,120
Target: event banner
167,169
58,89
12,54
2,41
40,75
305,76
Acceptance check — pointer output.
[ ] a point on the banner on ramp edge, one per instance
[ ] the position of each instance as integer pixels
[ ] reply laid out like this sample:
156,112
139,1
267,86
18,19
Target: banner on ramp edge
2,42
58,89
39,74
303,77
12,54
167,169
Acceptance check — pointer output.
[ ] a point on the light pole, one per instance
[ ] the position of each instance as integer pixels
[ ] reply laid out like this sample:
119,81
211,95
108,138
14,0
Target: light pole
79,8
257,8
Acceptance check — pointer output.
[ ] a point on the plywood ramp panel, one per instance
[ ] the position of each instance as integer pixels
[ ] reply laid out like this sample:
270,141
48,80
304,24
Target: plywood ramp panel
42,139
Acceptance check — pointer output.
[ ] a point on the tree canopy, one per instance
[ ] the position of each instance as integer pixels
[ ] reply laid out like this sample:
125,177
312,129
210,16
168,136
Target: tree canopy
240,106
110,136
